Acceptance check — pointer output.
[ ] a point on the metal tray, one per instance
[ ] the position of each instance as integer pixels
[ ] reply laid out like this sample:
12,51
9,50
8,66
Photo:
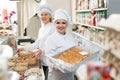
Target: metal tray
94,56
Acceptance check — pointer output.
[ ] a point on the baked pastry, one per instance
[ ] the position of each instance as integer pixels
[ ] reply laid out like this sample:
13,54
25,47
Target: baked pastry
21,70
31,61
25,54
11,64
73,56
13,59
33,71
22,64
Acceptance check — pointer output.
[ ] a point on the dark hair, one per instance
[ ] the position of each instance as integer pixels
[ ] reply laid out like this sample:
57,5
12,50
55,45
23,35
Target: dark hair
51,19
35,15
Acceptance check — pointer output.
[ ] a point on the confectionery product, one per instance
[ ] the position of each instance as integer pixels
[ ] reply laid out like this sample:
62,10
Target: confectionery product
31,61
25,54
72,55
21,70
11,64
22,64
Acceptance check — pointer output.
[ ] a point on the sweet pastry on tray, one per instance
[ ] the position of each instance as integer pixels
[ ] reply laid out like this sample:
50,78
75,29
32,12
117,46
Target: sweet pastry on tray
31,61
26,54
33,71
34,77
22,64
13,59
11,64
21,70
75,49
72,56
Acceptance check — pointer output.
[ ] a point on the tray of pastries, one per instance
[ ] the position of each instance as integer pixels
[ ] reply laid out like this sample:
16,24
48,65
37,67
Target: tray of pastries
33,71
34,74
22,62
73,55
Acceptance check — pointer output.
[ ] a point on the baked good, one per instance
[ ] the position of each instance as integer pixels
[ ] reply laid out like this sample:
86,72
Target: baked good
22,64
20,68
13,59
33,71
11,64
73,56
31,61
25,54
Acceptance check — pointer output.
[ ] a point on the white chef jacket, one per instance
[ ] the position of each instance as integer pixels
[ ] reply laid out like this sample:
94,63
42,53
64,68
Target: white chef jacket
55,44
45,31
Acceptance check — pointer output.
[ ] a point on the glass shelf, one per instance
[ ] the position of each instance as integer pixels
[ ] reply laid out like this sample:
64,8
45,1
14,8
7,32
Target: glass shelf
99,9
90,26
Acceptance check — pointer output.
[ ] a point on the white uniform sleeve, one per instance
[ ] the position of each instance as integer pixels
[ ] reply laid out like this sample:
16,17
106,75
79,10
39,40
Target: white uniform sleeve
32,46
60,65
50,48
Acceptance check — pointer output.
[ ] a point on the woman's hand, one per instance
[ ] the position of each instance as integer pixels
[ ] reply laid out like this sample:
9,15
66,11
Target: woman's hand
37,54
19,49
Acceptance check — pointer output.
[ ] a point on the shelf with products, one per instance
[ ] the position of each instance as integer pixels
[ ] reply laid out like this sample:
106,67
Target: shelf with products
97,9
112,43
91,4
112,50
87,39
90,26
91,17
87,14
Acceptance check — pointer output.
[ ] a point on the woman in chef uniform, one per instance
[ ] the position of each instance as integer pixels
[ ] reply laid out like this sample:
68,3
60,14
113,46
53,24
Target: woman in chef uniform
59,41
45,13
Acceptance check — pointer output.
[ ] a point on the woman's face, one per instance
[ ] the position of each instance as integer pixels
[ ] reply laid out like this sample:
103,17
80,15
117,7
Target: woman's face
61,26
45,17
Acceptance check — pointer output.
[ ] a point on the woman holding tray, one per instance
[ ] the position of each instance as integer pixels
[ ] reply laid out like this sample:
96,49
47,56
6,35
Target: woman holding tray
58,42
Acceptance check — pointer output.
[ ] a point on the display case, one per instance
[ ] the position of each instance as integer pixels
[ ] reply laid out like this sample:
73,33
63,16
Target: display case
86,14
82,11
112,43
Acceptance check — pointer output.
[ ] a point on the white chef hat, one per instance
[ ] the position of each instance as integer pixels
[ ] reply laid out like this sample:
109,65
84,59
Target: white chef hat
62,14
45,8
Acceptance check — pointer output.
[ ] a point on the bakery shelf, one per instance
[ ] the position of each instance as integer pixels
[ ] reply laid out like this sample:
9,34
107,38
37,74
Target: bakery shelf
90,26
83,10
99,9
92,42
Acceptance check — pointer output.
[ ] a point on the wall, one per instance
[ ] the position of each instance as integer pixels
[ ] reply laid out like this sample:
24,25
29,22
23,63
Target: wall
27,9
113,7
66,4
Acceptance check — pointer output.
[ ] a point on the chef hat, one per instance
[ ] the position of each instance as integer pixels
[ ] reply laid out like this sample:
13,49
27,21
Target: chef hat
62,14
45,8
112,22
